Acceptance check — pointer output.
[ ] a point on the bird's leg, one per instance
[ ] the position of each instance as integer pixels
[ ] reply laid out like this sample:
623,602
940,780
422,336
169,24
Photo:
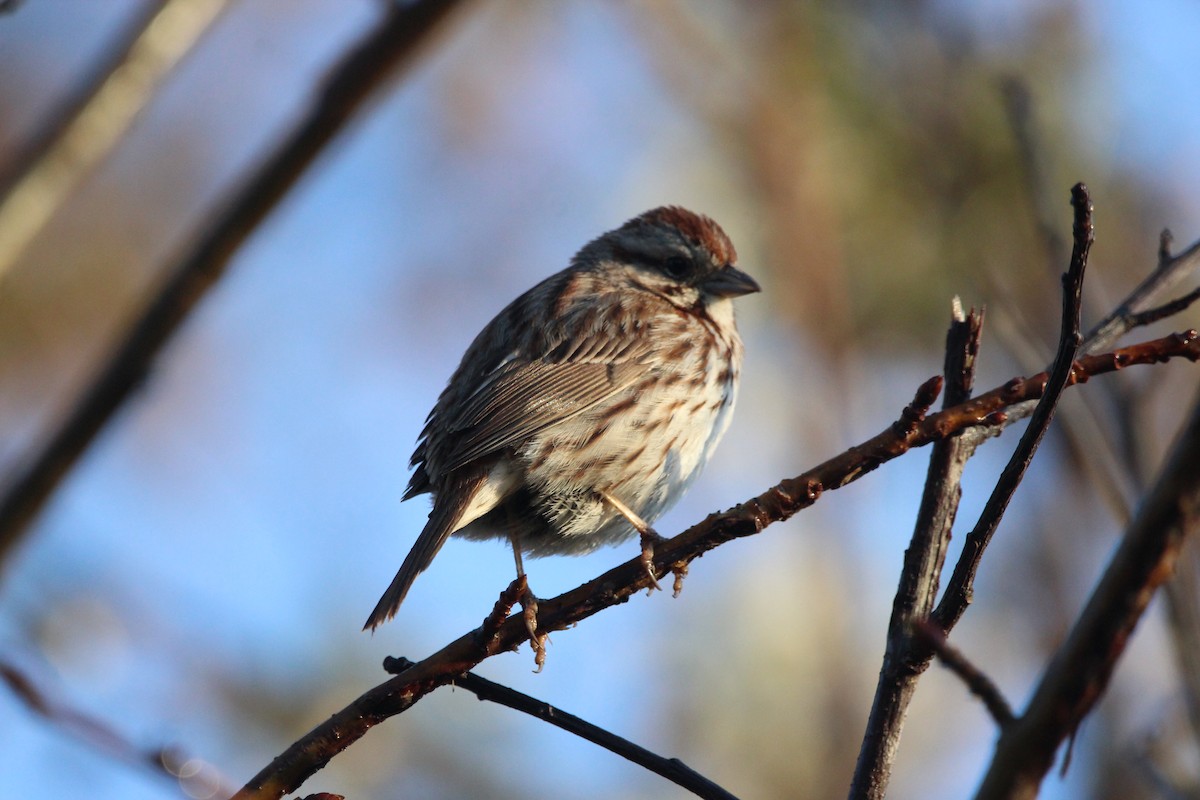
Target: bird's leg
528,601
648,535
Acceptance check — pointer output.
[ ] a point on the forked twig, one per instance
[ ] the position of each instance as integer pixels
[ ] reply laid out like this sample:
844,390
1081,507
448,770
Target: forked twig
904,660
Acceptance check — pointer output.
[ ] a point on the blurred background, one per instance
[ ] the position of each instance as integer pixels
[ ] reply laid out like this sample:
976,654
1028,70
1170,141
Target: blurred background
201,576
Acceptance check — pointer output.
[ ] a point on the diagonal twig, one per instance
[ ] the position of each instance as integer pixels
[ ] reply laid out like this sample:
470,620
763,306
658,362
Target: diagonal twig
388,45
672,769
1169,309
1171,269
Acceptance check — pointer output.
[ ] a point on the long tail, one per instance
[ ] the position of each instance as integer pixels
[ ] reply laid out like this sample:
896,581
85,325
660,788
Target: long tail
445,518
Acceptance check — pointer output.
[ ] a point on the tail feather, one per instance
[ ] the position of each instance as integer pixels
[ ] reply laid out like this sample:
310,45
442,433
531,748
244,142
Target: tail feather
443,521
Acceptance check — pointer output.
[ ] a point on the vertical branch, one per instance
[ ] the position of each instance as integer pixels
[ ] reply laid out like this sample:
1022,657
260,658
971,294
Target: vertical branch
380,53
904,658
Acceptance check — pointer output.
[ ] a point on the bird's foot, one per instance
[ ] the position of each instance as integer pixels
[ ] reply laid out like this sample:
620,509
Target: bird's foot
680,572
520,591
650,539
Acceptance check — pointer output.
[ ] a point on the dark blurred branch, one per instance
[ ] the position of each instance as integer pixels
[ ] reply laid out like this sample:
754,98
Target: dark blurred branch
904,659
1182,595
672,769
914,429
389,45
1079,674
201,778
961,585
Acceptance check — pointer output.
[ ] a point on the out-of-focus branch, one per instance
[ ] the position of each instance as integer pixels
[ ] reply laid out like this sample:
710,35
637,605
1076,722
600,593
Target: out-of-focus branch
389,44
69,149
1080,671
914,429
1183,617
51,129
904,659
1170,271
960,587
1018,105
198,778
672,769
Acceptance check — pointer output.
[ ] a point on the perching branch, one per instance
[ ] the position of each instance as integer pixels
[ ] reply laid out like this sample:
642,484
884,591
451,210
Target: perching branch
388,46
915,428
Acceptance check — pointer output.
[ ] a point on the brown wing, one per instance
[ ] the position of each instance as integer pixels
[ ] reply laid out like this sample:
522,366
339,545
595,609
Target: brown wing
515,380
525,398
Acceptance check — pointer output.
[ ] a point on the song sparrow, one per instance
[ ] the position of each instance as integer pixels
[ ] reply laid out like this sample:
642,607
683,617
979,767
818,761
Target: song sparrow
588,405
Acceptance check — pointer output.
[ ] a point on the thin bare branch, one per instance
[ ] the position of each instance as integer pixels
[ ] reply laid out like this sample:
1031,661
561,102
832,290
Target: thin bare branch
384,49
1150,316
1170,271
672,769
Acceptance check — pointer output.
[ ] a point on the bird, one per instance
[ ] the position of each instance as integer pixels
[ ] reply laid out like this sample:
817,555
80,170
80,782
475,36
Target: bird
589,404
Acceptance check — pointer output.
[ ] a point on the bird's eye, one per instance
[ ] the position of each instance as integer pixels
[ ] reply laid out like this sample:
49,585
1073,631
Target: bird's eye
677,267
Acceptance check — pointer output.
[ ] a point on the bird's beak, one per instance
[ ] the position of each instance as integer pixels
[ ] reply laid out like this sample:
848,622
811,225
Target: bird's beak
731,282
